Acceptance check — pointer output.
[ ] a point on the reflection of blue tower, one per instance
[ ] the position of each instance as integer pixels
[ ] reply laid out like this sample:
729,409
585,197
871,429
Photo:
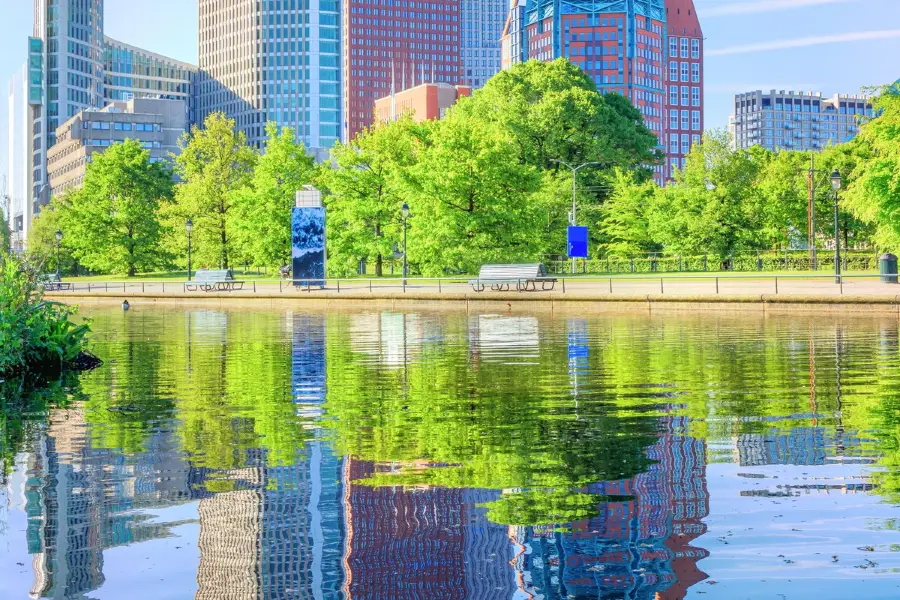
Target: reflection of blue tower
486,552
302,532
637,548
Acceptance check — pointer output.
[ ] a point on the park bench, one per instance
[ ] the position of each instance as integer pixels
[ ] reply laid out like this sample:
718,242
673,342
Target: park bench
52,283
213,281
501,277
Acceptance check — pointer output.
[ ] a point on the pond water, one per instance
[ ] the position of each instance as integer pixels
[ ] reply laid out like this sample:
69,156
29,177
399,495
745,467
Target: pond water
418,455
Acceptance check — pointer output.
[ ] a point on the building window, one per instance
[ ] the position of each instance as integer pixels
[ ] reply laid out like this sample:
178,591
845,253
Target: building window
673,118
695,48
673,70
695,96
673,47
673,95
673,143
685,143
684,72
684,47
686,119
695,139
695,120
695,72
685,95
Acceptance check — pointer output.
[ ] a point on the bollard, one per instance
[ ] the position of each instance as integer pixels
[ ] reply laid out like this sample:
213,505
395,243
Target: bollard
841,282
564,285
610,285
279,286
661,285
776,286
338,286
164,287
717,285
89,286
142,287
254,287
370,286
439,286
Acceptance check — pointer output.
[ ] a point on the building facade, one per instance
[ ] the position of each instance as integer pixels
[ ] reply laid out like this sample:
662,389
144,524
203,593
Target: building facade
684,84
627,48
805,121
482,27
18,184
272,61
395,45
157,124
65,58
425,102
131,72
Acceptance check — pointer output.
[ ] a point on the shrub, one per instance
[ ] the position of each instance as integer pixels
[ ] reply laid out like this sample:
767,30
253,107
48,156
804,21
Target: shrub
36,336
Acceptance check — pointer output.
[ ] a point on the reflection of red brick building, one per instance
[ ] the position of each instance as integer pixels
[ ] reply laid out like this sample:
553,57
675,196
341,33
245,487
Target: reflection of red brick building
414,43
402,543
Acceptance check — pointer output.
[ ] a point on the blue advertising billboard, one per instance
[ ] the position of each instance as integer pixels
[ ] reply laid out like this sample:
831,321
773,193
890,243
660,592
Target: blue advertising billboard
578,242
308,241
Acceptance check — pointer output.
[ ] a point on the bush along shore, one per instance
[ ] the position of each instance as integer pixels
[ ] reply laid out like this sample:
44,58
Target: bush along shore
37,337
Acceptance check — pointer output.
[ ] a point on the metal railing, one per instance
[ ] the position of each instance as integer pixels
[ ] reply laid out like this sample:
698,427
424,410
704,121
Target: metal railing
640,285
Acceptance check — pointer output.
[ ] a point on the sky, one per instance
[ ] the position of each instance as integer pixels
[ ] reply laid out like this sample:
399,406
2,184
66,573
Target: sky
811,45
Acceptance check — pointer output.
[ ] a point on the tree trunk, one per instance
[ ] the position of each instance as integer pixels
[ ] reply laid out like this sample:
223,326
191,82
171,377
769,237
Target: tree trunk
379,265
224,249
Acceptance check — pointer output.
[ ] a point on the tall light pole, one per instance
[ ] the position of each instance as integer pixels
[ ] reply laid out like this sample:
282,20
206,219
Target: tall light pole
573,216
189,227
836,184
404,212
59,236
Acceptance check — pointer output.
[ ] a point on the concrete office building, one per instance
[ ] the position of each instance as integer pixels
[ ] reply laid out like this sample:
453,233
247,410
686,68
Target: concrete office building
805,121
268,61
684,84
482,27
424,102
19,168
157,124
395,46
131,72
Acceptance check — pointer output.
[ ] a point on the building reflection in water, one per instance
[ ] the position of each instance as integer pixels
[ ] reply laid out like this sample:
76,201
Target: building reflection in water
310,530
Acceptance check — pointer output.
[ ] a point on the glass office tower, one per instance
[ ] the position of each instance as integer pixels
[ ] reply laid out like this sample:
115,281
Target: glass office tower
272,60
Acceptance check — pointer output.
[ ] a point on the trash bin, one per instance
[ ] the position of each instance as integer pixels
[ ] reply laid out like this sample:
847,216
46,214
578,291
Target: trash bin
888,268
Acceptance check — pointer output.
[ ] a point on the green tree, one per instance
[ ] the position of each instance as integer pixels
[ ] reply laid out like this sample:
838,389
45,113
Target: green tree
112,223
42,243
714,205
472,203
215,161
262,222
365,181
625,225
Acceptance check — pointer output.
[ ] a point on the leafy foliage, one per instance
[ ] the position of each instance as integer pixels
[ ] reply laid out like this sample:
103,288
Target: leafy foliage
35,335
262,209
214,164
112,223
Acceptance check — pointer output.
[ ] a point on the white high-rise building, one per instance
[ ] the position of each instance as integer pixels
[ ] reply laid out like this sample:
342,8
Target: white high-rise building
482,28
278,62
19,168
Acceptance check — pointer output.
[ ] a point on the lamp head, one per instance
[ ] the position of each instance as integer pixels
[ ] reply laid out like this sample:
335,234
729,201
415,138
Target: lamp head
59,235
405,210
189,225
836,180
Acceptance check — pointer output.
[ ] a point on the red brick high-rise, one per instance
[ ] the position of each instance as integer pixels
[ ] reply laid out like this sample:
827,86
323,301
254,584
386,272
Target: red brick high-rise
684,82
409,41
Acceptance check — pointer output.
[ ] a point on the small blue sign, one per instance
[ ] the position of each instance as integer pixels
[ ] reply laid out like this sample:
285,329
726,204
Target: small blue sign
578,242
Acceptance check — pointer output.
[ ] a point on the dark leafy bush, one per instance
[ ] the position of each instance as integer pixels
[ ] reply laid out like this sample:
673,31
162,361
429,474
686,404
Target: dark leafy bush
36,336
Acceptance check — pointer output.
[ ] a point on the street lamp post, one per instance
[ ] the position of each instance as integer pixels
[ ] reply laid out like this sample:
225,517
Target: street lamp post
404,212
59,236
836,184
573,216
189,227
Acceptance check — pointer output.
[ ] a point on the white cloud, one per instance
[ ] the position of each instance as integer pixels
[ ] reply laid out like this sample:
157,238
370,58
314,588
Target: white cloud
761,6
804,42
